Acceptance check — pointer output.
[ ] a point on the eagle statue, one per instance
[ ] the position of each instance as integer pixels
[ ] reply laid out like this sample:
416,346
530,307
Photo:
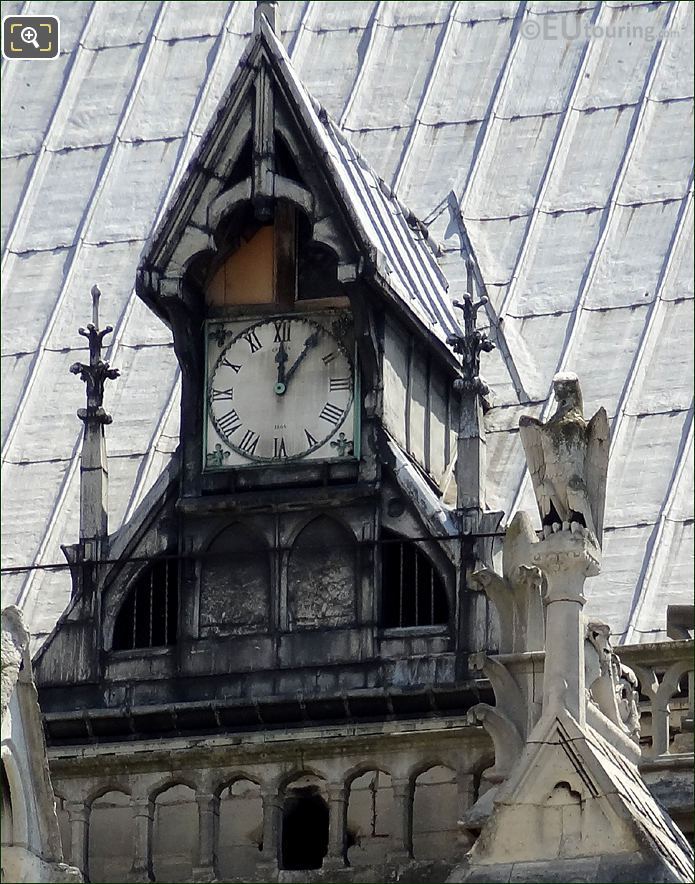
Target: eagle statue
568,460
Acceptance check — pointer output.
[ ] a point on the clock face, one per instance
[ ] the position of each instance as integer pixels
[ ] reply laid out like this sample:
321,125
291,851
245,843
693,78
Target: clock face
278,389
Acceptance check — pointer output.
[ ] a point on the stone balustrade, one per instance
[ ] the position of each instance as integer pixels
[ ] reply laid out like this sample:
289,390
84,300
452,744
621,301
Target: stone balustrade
664,670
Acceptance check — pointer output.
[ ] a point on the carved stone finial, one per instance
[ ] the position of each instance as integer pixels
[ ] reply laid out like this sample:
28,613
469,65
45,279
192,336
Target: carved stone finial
268,8
97,372
469,346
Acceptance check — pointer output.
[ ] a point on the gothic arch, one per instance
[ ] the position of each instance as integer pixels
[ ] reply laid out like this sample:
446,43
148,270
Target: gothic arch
322,575
235,777
169,783
286,781
17,796
111,835
413,590
360,769
105,788
304,835
370,815
435,812
235,580
147,615
239,827
305,520
175,832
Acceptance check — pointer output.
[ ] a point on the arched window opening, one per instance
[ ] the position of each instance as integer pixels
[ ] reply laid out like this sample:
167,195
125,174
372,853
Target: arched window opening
149,614
240,830
370,818
304,829
6,821
412,592
175,834
435,814
111,833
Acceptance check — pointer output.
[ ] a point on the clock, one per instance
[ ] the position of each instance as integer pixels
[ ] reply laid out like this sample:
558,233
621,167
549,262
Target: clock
278,389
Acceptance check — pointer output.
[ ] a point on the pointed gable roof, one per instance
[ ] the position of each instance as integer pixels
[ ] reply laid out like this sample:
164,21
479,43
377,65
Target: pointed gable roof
393,244
561,751
648,815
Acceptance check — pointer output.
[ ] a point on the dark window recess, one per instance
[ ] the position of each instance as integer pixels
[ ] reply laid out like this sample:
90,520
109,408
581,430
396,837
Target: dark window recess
285,163
304,830
243,166
412,592
149,614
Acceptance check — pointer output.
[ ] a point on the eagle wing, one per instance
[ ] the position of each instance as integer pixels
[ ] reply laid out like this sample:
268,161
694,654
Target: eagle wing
531,432
598,438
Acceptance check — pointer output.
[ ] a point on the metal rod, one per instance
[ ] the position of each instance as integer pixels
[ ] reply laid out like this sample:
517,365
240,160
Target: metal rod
166,602
400,587
416,594
431,596
151,605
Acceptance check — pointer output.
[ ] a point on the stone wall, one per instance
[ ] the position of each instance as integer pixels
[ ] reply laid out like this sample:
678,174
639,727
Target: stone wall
191,810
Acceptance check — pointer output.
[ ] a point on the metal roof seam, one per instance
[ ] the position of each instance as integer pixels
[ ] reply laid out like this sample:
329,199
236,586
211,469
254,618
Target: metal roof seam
590,271
85,220
590,48
656,549
113,347
424,97
495,100
650,324
372,27
141,482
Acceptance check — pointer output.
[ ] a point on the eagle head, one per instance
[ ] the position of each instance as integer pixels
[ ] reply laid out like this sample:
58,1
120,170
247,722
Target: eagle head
568,394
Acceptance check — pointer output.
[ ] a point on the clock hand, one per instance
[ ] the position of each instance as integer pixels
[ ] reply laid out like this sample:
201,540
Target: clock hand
310,342
281,359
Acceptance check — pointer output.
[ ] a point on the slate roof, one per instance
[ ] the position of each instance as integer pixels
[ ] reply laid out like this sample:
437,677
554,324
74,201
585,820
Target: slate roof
396,242
666,838
569,157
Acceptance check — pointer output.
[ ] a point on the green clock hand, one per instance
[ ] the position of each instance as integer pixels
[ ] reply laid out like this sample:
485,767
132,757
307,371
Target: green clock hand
281,359
310,342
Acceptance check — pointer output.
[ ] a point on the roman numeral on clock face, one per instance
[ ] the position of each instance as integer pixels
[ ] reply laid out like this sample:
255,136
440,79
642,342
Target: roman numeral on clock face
229,422
282,332
279,449
251,339
339,384
310,441
328,358
249,442
218,395
331,414
235,368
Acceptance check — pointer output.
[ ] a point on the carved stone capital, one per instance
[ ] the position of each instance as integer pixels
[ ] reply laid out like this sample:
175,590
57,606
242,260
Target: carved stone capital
568,551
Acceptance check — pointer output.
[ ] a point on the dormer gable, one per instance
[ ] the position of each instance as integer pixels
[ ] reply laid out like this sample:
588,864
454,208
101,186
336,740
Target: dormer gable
275,179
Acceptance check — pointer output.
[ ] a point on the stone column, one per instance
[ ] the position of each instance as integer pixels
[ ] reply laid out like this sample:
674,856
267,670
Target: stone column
403,812
337,826
208,819
567,558
465,787
143,819
78,814
272,816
